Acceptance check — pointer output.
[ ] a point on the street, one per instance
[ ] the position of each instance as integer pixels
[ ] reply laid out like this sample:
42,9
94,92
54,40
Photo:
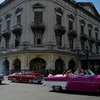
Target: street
25,91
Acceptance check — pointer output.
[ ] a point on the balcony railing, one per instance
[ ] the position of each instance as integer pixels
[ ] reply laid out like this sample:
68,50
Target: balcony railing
6,33
97,42
38,26
60,29
17,29
72,33
91,39
83,37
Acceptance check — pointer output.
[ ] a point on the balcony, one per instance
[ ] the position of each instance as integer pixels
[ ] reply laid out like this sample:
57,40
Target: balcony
6,33
91,39
17,29
97,42
60,29
72,34
38,26
83,37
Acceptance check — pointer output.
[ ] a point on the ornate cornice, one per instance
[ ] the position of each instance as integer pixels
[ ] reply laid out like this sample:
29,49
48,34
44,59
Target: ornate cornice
5,2
96,29
71,16
82,21
82,4
90,25
59,10
7,16
19,10
38,5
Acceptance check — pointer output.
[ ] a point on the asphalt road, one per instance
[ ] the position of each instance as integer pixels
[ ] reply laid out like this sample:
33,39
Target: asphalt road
25,91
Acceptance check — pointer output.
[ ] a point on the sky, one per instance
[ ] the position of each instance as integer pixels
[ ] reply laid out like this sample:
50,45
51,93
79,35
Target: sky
1,1
95,2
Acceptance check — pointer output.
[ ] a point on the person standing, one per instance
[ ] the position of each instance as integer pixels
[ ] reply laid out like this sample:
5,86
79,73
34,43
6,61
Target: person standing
45,72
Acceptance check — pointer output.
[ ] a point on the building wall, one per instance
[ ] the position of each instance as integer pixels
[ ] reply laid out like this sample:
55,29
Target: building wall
49,36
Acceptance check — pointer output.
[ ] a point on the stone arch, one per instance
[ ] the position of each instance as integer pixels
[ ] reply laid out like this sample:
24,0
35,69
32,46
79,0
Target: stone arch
37,65
17,65
71,65
59,66
5,68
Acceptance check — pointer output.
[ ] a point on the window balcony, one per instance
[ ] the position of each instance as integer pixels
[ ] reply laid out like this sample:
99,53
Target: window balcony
72,33
60,29
97,42
91,39
83,37
17,29
6,33
38,26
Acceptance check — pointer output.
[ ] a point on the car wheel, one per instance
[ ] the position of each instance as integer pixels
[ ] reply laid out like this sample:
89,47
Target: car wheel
57,88
30,81
39,82
0,82
12,80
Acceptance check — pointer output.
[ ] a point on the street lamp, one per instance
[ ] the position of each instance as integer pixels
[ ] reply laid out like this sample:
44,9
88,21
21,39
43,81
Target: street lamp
87,55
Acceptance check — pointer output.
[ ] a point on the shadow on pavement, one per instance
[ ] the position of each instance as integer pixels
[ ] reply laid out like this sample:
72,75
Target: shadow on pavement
78,93
4,84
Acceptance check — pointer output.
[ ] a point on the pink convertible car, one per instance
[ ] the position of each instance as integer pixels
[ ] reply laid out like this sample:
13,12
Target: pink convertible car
88,82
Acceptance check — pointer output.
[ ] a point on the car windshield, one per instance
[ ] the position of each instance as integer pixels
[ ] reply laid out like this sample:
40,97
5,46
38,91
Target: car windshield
89,73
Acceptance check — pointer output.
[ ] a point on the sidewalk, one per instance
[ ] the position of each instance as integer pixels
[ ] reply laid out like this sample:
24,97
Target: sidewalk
5,76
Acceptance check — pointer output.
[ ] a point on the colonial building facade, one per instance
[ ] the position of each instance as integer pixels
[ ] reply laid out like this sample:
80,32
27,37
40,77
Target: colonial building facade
52,34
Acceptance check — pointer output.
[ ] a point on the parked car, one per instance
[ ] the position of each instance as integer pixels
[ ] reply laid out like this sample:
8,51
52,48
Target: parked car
88,82
1,78
29,77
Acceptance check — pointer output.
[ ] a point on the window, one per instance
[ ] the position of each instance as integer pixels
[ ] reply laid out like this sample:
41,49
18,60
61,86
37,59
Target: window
89,32
97,49
83,45
8,24
90,45
59,20
7,42
96,35
70,25
82,26
82,29
59,40
71,43
17,41
19,20
37,38
38,16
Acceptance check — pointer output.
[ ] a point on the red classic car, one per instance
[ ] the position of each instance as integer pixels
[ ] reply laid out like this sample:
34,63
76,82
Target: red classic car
26,77
1,78
88,82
